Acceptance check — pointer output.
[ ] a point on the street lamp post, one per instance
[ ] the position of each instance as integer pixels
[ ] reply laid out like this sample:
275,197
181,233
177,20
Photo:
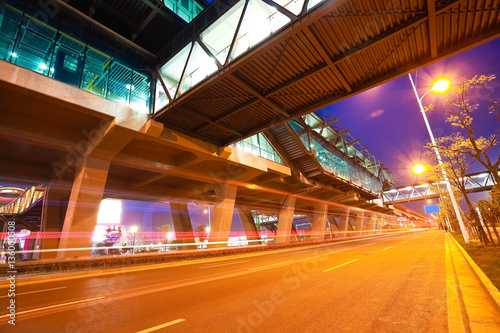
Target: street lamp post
438,87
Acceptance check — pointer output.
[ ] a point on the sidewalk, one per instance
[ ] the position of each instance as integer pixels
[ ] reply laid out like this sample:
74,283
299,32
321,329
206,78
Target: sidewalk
473,301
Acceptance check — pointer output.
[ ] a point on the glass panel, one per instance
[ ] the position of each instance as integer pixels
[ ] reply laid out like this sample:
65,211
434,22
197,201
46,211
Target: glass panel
258,145
259,22
295,6
171,72
313,3
120,83
296,127
61,54
219,35
10,19
200,66
161,97
140,92
95,72
67,63
34,46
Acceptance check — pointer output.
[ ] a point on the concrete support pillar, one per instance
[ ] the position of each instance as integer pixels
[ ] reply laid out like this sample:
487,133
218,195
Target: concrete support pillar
223,215
360,219
378,223
334,228
103,143
371,223
55,200
182,225
83,206
344,222
285,220
383,222
317,218
248,224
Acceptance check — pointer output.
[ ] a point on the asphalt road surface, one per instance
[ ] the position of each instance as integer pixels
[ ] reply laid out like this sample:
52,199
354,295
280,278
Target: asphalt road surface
391,283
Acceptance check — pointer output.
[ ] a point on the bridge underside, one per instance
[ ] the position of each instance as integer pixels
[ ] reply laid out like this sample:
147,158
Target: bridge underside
84,149
325,54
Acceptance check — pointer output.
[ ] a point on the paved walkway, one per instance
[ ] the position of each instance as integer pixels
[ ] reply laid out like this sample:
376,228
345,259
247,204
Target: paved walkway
473,301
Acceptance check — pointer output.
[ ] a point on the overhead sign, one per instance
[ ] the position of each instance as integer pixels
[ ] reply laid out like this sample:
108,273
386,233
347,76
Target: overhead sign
431,209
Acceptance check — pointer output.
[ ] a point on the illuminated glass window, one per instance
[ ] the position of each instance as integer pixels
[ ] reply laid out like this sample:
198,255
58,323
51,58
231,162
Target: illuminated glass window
259,22
258,145
294,6
62,55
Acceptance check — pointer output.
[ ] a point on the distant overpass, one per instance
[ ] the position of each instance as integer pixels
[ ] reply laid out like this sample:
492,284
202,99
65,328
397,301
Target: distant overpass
475,182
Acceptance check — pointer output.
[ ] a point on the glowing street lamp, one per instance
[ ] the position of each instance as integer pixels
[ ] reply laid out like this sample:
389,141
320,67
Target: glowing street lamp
419,169
209,222
440,86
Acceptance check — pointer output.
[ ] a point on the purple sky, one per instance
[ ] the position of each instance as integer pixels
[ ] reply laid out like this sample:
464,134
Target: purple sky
386,119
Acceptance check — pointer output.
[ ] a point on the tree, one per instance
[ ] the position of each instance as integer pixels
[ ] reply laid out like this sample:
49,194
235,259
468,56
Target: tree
446,209
201,232
456,161
165,234
490,210
461,111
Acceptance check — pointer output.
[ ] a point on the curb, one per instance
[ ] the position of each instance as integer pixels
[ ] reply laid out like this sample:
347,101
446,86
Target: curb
490,290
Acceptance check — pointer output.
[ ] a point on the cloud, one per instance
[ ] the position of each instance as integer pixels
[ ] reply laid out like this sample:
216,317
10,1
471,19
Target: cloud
376,113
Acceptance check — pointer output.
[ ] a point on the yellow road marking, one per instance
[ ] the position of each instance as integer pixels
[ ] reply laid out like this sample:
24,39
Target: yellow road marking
170,323
329,269
387,248
278,264
455,317
56,306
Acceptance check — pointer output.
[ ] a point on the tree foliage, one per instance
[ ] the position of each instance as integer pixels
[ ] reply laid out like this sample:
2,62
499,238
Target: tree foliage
201,232
164,230
461,111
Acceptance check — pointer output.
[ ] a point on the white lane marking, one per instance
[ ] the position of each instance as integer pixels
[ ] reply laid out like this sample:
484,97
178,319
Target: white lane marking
329,269
56,306
387,248
304,251
272,265
405,242
170,323
230,263
36,291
